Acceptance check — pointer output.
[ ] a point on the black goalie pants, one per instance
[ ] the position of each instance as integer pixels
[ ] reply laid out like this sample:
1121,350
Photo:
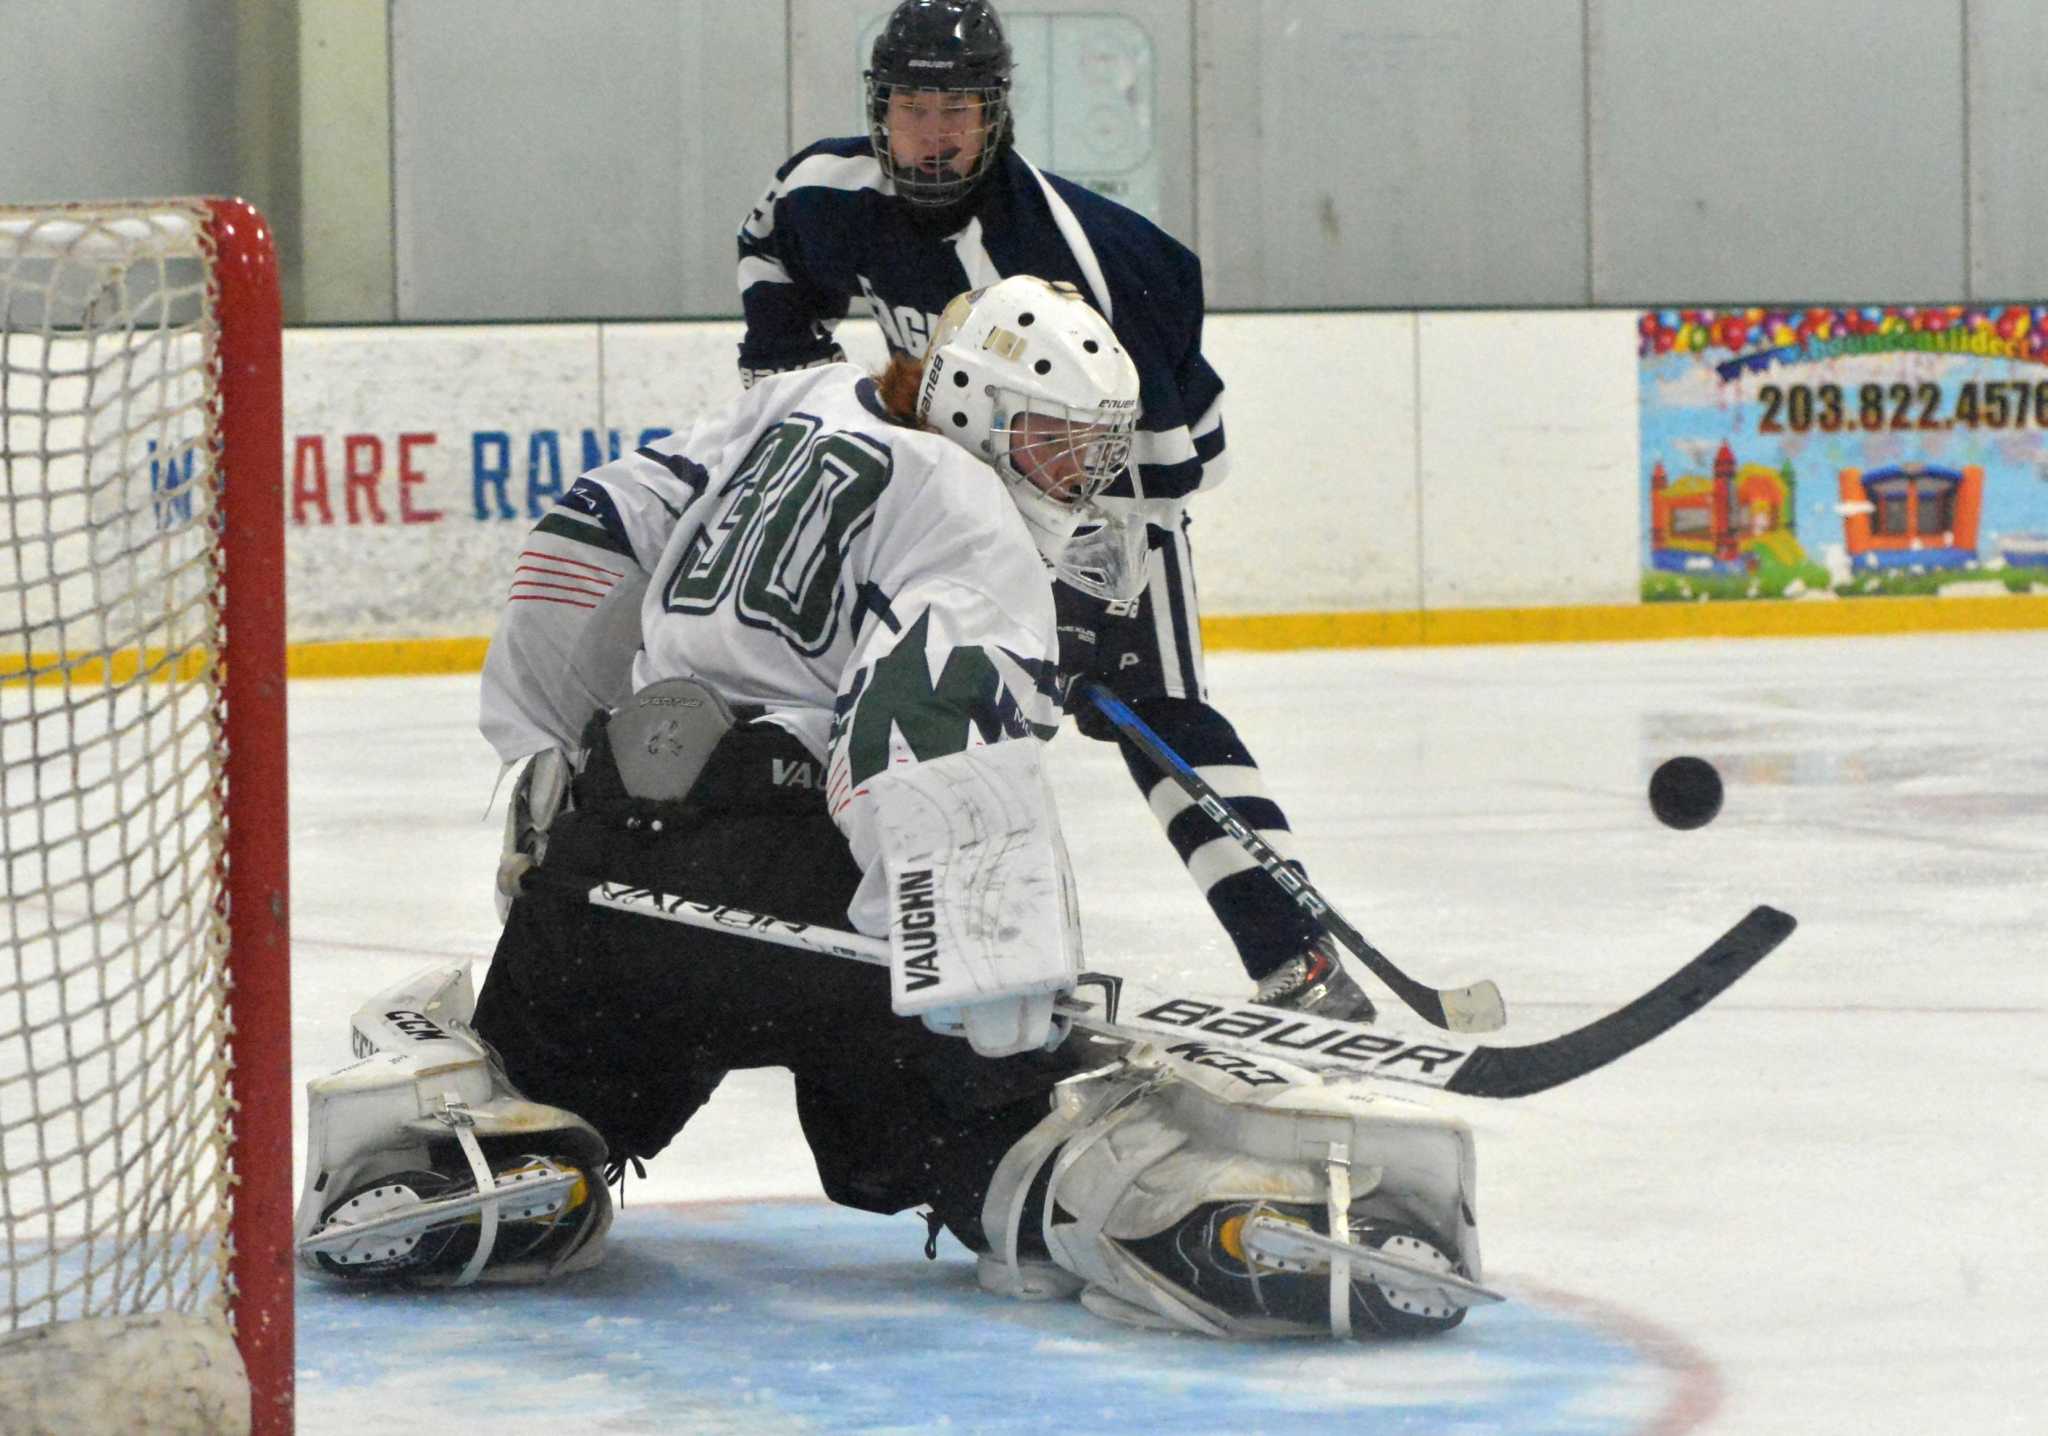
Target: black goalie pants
631,1022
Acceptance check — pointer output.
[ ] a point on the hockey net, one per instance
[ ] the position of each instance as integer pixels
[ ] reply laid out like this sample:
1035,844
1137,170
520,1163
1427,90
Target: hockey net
145,1114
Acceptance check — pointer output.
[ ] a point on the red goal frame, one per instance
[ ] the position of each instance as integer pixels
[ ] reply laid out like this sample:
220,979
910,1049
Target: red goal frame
247,416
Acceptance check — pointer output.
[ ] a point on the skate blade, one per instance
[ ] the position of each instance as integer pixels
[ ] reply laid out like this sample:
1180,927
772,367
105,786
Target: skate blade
518,1200
1287,1245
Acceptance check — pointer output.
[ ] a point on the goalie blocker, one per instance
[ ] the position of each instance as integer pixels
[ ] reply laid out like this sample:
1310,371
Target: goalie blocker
984,932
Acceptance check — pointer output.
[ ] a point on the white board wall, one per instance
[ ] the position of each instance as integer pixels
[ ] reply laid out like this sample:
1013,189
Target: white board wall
1379,462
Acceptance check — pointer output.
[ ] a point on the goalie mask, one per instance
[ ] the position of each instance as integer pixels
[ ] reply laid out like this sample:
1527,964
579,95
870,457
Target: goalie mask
938,90
1028,376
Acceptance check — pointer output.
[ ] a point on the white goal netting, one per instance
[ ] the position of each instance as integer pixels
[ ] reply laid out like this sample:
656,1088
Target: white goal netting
118,1110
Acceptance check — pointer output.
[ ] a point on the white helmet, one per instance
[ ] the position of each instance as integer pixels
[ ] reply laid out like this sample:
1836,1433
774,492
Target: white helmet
1030,378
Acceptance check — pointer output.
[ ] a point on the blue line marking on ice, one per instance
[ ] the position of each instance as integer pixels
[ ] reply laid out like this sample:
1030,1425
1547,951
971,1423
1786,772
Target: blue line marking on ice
798,1316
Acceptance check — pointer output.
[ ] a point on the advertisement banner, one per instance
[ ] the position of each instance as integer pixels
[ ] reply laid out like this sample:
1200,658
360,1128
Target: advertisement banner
1803,453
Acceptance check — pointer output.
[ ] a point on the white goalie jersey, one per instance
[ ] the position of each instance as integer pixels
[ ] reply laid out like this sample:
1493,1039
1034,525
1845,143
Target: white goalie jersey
868,586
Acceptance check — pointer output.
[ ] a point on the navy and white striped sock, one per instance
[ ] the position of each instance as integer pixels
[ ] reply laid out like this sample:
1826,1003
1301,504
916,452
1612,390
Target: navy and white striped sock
1264,923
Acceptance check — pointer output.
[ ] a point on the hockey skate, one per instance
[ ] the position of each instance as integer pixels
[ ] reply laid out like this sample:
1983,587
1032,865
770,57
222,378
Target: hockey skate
1268,1266
1315,983
427,1168
1404,1281
424,1227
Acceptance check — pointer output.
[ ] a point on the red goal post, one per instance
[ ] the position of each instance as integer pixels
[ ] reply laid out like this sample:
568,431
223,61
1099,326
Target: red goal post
145,1058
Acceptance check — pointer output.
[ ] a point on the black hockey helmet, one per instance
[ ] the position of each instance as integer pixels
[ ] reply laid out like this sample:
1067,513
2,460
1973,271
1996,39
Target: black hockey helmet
955,46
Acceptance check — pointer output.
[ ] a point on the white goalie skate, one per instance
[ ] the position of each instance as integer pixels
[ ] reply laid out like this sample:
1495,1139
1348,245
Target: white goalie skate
427,1167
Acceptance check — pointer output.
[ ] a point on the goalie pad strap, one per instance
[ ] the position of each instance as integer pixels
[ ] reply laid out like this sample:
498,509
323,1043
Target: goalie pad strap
1077,1102
1340,1230
455,1112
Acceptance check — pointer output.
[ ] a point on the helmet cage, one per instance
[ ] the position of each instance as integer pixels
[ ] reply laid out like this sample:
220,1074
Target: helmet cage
1030,433
1106,555
954,48
1096,551
921,186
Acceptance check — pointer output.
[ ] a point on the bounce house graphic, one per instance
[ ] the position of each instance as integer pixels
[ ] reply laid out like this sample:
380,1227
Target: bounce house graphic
1726,522
1911,516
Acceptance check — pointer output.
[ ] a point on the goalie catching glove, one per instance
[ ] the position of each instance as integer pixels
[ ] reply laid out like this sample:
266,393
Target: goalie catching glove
538,795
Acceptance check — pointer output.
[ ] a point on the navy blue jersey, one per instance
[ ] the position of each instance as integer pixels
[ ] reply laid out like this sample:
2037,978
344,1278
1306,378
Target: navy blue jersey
831,228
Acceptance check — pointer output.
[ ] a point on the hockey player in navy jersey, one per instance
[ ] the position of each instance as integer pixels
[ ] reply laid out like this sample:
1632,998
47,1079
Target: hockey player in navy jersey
934,199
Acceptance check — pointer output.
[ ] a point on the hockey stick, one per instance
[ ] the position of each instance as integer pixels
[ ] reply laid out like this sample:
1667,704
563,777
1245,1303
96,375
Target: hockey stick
1477,1008
1476,1070
1240,1038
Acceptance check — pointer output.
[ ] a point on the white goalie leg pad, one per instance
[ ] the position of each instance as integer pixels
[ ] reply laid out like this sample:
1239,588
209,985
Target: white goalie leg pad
983,925
1173,1186
428,1011
421,1153
1080,1101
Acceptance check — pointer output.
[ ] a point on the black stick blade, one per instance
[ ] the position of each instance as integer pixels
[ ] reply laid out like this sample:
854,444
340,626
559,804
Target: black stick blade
1518,1071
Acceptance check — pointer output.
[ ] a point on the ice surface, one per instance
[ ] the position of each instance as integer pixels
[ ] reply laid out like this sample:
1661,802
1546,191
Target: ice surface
1815,1209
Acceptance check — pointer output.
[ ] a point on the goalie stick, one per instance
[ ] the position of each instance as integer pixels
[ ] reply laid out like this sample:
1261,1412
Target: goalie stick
1242,1039
1477,1008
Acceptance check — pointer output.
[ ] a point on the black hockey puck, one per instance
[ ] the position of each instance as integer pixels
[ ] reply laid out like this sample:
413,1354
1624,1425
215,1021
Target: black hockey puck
1685,792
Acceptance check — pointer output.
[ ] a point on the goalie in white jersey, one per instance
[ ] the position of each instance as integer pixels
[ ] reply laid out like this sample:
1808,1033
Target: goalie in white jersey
864,596
767,663
800,661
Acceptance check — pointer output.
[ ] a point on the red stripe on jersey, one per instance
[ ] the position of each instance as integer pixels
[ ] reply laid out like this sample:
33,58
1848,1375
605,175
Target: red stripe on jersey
562,573
558,558
580,588
544,598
